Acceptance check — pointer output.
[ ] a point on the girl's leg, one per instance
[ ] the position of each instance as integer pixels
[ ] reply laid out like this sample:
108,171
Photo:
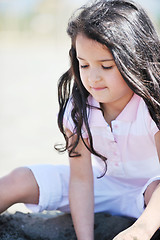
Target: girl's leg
19,186
149,191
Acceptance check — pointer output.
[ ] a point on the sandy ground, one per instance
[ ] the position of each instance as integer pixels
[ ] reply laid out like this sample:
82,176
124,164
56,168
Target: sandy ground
47,227
55,226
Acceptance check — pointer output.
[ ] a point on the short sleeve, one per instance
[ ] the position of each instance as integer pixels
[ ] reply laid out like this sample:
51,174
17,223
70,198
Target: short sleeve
68,121
151,125
154,127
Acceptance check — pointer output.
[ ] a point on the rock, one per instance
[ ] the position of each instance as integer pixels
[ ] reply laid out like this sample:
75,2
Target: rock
22,226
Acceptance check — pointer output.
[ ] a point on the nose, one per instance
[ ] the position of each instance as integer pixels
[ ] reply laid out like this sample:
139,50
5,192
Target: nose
94,76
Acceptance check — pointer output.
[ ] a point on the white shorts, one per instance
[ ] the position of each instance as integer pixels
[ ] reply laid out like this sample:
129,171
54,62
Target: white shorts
112,195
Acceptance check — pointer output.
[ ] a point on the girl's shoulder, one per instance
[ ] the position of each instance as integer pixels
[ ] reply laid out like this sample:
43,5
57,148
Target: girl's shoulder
68,122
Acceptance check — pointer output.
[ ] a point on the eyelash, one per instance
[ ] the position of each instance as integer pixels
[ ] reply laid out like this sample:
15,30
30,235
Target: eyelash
83,66
105,68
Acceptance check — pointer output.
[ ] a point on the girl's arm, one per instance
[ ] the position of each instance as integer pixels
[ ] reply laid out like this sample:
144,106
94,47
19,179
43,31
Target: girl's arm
149,221
81,194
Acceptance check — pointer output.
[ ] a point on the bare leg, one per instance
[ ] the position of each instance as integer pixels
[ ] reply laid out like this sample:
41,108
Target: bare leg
19,186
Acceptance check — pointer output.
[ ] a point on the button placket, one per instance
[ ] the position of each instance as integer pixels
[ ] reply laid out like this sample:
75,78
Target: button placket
109,133
114,151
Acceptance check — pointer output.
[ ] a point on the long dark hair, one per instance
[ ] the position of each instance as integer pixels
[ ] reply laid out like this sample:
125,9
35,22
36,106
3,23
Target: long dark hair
127,31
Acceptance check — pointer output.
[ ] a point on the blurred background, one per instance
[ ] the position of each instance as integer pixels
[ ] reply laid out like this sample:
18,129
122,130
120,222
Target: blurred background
33,55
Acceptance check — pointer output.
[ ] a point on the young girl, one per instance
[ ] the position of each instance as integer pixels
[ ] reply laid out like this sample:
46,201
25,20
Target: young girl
110,110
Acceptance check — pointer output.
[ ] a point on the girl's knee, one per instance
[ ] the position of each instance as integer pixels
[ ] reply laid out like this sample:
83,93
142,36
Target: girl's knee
149,191
17,174
23,185
18,177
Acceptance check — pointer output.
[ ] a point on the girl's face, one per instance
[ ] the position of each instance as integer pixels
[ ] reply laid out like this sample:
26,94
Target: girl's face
99,73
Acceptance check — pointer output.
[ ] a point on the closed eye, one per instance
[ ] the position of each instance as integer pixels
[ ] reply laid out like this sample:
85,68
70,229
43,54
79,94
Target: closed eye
107,67
83,66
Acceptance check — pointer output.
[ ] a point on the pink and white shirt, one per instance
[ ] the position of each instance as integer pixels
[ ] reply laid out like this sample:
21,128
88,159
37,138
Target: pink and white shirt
130,145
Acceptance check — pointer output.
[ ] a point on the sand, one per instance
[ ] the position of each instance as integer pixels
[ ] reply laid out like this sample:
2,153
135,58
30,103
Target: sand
58,226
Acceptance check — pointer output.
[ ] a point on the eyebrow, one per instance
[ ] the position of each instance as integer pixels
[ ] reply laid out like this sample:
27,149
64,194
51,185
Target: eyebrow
103,60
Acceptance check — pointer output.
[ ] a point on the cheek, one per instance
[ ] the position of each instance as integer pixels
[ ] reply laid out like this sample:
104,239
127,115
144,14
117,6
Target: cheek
118,80
122,83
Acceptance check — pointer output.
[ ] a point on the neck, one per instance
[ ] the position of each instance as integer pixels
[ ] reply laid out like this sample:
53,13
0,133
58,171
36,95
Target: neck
110,115
112,110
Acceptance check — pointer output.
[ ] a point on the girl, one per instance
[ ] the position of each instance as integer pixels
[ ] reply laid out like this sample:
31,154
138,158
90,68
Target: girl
110,109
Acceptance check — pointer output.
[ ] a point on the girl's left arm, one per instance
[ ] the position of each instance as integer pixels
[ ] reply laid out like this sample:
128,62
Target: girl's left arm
148,223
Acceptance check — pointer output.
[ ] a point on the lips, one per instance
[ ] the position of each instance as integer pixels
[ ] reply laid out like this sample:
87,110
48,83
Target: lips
98,88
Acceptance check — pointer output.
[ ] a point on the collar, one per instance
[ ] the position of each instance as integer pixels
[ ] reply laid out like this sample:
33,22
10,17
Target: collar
128,114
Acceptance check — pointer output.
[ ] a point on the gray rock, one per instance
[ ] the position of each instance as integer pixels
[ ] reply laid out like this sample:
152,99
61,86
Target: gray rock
22,226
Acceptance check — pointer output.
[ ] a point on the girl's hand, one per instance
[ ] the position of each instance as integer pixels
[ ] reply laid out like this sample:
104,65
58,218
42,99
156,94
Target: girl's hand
133,233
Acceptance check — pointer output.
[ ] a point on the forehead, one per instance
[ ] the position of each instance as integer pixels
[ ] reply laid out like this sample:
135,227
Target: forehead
89,47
